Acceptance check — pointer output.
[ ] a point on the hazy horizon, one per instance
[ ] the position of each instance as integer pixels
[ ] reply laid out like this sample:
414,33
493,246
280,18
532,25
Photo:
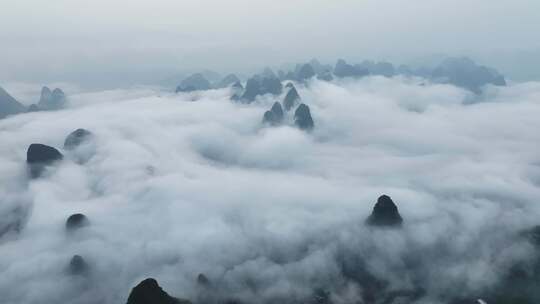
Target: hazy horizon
106,44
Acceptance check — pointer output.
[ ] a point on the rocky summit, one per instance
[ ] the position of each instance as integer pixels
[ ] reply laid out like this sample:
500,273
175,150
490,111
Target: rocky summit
76,138
76,221
385,213
54,100
274,116
149,292
38,156
291,99
302,118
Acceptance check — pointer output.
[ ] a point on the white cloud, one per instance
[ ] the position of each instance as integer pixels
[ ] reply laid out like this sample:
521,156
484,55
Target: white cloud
178,187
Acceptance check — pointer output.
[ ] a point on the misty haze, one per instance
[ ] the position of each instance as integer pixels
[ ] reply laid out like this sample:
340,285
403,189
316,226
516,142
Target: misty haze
261,152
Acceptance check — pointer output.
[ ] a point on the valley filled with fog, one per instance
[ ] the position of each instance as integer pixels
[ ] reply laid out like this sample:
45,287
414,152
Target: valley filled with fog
194,189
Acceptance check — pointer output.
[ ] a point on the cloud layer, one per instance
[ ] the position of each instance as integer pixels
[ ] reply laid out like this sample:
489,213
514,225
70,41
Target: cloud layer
176,187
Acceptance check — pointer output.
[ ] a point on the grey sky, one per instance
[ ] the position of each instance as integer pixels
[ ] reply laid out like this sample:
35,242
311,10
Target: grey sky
143,40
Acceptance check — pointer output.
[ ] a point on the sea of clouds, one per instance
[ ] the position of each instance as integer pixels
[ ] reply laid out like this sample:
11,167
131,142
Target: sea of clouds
177,185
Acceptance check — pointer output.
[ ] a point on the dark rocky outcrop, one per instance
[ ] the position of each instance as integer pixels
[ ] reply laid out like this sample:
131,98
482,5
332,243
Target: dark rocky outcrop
76,221
76,138
195,82
39,156
8,105
54,100
149,292
277,110
274,116
78,266
385,213
228,80
291,99
302,118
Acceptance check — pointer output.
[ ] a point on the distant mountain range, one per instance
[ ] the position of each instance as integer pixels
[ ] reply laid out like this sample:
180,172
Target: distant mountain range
49,100
459,71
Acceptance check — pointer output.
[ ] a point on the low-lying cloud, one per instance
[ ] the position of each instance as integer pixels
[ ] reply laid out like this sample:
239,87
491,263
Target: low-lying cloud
182,184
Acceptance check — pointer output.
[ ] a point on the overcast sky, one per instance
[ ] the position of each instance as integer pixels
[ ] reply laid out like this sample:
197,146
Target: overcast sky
83,40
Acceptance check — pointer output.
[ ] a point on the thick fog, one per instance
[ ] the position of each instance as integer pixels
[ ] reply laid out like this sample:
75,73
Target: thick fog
181,184
110,43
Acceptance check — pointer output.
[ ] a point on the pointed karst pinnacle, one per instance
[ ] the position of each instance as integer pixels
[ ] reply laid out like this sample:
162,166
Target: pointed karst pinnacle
54,100
291,99
274,116
385,213
149,292
302,118
46,94
252,89
76,138
39,156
